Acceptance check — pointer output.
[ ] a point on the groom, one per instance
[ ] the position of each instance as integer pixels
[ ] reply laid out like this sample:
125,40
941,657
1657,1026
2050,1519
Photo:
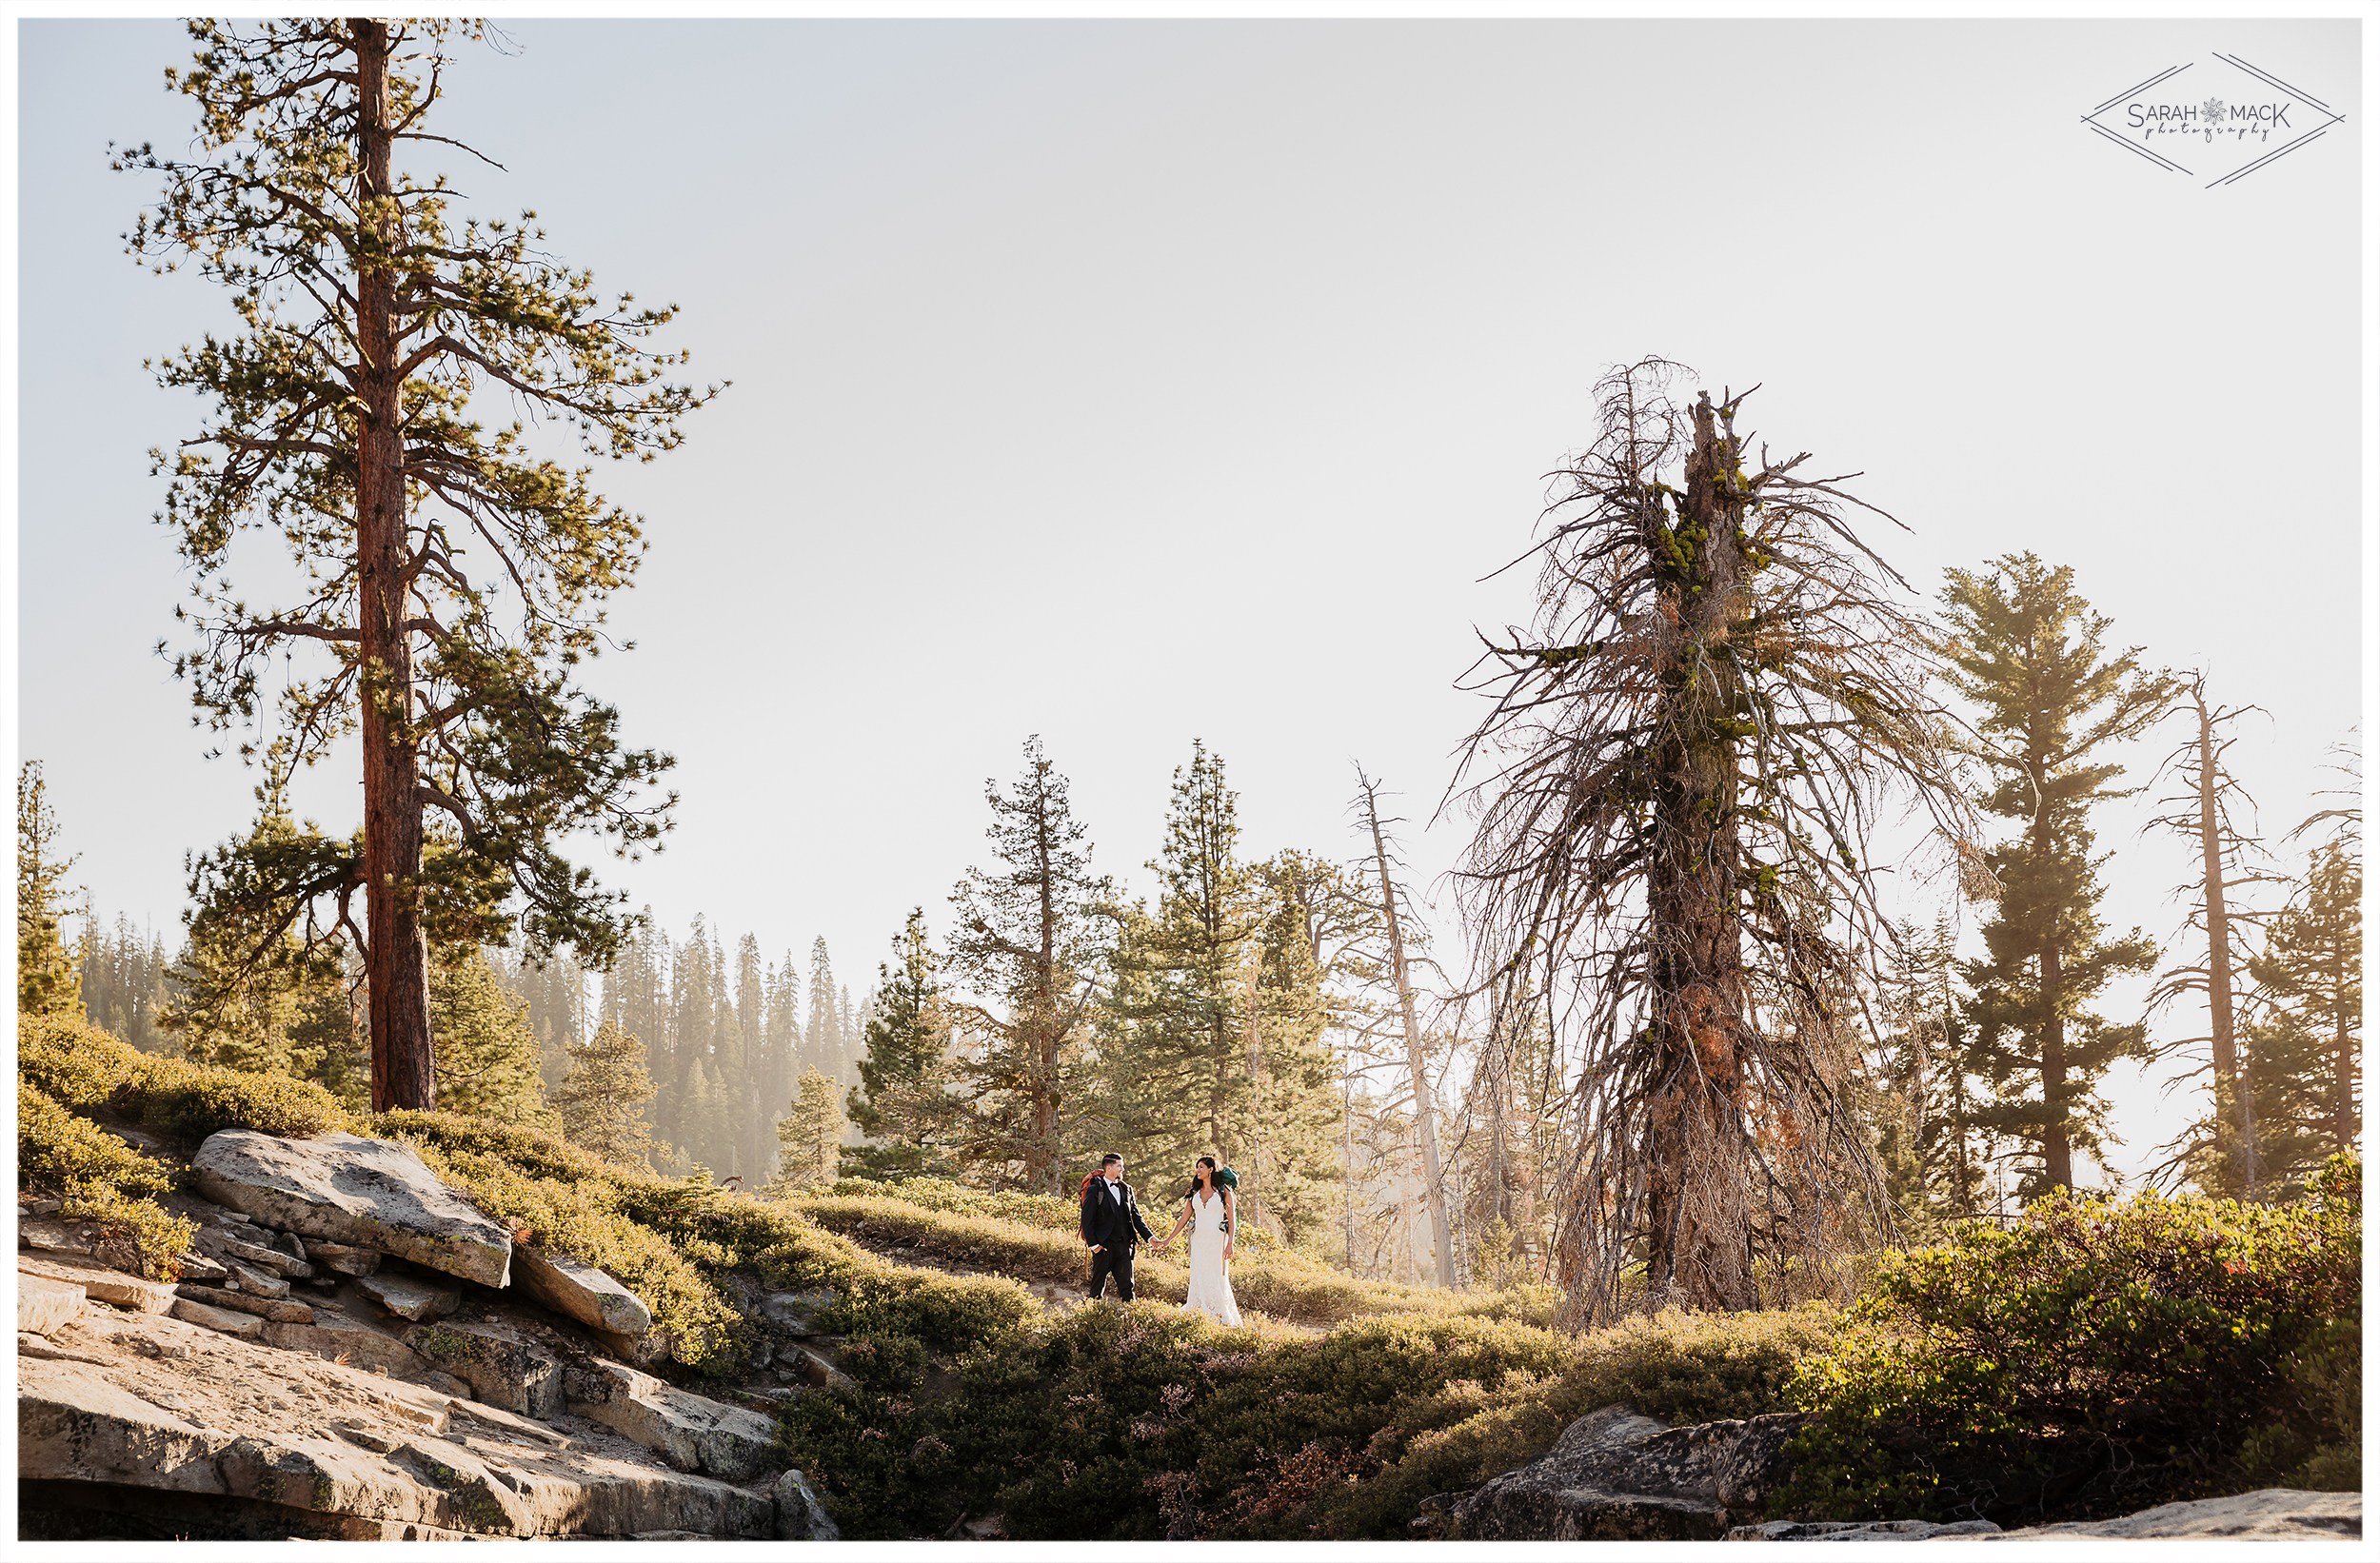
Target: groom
1111,1225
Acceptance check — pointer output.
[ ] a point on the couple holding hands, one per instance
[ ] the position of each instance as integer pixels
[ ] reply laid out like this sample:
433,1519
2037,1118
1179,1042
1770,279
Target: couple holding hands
1112,1226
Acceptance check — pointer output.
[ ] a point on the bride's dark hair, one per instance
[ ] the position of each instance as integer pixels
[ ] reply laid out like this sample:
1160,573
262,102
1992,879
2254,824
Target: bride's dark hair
1192,1192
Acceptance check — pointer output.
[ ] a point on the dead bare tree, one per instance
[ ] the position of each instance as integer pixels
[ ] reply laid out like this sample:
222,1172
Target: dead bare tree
2206,807
1675,795
1400,973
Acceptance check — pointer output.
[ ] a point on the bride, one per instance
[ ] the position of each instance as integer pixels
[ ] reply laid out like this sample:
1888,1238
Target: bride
1209,1213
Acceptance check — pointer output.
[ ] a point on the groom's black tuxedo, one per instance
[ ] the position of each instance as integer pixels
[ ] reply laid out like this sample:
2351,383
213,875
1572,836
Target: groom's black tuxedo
1112,1224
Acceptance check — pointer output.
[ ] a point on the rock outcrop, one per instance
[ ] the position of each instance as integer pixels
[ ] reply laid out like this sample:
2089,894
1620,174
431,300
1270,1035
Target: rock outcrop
689,1431
1615,1475
2271,1514
1848,1530
410,1391
101,1284
249,1440
365,1192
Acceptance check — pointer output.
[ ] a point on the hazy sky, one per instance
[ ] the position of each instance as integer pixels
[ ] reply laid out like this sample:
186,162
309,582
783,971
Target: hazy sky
1131,381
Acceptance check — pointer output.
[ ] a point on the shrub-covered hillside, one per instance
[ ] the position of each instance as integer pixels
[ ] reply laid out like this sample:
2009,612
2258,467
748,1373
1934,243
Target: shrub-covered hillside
2092,1356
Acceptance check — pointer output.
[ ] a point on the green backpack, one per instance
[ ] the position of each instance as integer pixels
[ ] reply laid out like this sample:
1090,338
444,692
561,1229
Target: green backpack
1227,1179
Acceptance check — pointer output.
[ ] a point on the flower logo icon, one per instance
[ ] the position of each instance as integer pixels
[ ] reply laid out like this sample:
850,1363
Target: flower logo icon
2212,110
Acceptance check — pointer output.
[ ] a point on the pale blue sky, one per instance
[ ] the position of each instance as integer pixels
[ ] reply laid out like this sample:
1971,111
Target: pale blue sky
1132,382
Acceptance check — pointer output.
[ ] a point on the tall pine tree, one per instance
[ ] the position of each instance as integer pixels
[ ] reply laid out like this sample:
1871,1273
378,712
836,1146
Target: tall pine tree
2306,1050
809,1136
2051,701
124,982
603,1096
291,1010
903,1102
1028,937
822,1038
447,574
46,979
1184,1045
1294,1112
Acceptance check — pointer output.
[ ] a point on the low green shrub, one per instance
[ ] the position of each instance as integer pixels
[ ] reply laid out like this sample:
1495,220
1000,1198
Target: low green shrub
97,1178
1680,1367
2094,1357
88,1070
1145,1422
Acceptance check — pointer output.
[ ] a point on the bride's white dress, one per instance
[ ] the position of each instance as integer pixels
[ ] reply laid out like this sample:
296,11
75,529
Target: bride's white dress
1210,1283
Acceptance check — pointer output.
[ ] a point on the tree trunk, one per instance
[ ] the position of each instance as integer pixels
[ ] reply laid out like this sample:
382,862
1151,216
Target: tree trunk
1424,1107
1256,1089
1696,1144
1042,1173
397,960
2231,1086
2343,1060
1347,1163
2058,1154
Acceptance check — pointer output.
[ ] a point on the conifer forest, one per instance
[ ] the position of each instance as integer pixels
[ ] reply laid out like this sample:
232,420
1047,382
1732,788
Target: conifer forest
1763,964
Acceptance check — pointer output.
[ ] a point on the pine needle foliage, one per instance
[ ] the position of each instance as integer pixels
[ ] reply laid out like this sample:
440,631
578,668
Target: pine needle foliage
905,1103
47,982
2031,655
604,1094
451,573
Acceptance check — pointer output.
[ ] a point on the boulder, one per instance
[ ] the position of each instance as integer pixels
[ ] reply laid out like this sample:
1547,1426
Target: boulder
346,1189
502,1366
579,1290
1755,1466
45,1306
1615,1475
409,1296
688,1430
101,1284
2271,1514
276,1309
800,1514
245,1326
635,1351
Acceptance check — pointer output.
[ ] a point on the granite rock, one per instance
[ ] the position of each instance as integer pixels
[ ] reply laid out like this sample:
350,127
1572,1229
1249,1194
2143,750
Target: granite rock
689,1431
504,1366
346,1189
579,1290
800,1514
101,1284
45,1306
